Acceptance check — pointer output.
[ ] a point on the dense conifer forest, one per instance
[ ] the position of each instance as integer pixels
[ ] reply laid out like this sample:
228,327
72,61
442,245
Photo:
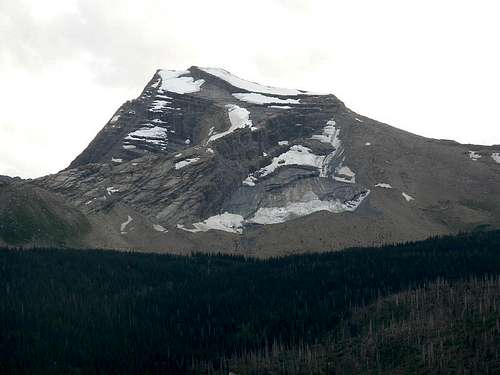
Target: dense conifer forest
439,328
408,308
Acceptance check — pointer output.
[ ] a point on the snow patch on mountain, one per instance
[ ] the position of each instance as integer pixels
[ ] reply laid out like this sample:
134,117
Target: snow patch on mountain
154,135
159,105
124,225
255,98
234,223
110,190
330,135
303,156
156,84
345,174
407,197
185,162
383,185
296,155
239,118
226,222
496,156
353,204
274,215
172,81
474,155
159,228
249,181
280,106
158,121
161,96
252,86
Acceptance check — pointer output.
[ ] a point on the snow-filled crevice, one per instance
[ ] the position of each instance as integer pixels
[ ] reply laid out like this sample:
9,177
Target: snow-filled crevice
123,226
330,135
344,174
407,197
238,117
159,228
184,163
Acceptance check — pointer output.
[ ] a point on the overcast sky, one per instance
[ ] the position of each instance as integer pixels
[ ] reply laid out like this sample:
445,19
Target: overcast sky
427,66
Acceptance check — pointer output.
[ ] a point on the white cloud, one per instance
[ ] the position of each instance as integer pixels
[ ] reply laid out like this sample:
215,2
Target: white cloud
65,66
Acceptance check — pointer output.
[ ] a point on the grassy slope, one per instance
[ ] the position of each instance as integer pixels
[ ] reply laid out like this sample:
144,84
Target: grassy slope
30,215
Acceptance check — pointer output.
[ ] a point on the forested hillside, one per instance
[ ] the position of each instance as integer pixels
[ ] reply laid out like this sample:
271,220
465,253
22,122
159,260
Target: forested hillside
355,311
439,328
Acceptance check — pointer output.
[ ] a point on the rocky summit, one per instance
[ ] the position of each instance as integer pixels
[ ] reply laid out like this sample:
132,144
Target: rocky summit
206,161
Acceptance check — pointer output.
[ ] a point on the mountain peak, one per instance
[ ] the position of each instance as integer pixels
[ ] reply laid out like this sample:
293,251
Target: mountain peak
175,111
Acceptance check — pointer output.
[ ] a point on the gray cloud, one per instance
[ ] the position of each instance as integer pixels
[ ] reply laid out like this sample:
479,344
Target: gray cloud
116,42
110,44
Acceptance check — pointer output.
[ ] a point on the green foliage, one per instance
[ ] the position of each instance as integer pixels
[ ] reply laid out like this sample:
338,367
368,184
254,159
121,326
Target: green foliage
83,312
30,217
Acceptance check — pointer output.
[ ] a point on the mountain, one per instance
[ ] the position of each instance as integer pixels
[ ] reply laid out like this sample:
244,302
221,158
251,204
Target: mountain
205,161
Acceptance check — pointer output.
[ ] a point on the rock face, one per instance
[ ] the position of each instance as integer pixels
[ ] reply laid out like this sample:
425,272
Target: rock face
205,161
